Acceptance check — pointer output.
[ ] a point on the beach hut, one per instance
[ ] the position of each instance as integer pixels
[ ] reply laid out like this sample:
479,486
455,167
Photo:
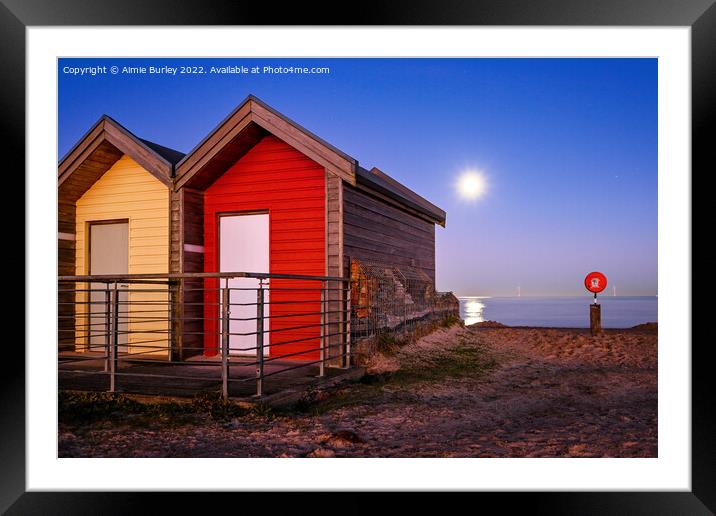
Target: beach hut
260,193
113,210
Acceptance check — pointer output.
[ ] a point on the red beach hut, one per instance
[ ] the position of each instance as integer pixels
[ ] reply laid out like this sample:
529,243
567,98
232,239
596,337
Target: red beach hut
262,194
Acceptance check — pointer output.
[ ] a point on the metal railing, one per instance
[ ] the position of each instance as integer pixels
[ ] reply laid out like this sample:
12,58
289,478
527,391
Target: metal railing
209,327
389,298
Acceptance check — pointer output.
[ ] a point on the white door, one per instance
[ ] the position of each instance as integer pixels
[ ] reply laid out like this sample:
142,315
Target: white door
244,247
109,254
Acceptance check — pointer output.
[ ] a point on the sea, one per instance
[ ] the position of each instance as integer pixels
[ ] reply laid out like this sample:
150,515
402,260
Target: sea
559,312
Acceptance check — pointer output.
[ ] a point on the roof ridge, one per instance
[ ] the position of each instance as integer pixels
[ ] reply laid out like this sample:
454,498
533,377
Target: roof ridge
152,146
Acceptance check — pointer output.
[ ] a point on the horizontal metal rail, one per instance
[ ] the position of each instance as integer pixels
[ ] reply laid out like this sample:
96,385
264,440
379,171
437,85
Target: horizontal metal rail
192,275
137,325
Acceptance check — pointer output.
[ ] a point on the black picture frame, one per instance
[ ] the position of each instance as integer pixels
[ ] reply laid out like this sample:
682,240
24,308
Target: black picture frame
700,15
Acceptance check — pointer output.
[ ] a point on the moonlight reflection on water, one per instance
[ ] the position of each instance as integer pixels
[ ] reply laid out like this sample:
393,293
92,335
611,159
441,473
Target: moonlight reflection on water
473,310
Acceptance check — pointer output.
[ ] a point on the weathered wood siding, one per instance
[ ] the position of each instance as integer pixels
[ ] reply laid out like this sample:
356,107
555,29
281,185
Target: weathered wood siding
376,231
128,191
334,259
191,243
65,267
66,234
334,227
274,177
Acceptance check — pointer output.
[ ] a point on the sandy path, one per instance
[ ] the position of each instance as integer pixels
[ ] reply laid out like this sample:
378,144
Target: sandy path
458,392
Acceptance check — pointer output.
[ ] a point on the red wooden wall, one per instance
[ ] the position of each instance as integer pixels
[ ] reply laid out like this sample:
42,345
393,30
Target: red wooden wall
274,177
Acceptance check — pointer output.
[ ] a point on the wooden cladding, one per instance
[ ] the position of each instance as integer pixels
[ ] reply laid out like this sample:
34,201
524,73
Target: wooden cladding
128,191
374,231
187,235
187,230
274,177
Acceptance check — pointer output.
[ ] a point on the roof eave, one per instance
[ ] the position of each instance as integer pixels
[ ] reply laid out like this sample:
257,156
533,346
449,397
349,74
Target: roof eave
436,215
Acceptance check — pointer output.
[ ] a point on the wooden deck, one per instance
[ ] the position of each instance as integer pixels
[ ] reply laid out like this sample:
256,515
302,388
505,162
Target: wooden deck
151,376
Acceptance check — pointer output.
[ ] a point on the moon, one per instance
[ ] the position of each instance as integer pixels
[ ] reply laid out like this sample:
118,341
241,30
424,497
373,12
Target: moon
471,185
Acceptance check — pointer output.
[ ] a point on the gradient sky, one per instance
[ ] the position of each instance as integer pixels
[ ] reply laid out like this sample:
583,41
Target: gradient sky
568,146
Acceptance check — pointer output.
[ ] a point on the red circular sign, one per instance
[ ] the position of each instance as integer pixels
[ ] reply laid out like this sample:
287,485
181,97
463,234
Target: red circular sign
595,282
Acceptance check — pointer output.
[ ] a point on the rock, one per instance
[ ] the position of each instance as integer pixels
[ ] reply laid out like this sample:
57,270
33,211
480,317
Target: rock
343,439
577,450
232,425
321,395
322,453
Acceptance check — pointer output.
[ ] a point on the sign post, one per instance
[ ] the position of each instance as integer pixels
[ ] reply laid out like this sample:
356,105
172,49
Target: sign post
595,282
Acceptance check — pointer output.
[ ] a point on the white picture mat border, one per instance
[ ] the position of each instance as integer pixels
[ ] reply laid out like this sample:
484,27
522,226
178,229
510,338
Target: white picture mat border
672,470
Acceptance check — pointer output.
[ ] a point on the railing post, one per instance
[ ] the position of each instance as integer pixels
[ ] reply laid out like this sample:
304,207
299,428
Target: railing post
260,338
107,324
348,325
322,356
225,340
174,324
115,339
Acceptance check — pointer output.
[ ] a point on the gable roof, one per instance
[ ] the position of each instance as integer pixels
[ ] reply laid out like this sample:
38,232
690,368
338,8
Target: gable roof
252,120
241,130
101,147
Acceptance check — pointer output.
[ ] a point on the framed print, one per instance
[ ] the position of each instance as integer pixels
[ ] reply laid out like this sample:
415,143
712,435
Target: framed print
419,252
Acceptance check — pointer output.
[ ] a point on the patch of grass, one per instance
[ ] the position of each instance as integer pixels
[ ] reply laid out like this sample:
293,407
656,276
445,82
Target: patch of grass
316,402
468,359
93,407
216,407
450,320
351,396
374,379
465,360
305,402
387,343
263,410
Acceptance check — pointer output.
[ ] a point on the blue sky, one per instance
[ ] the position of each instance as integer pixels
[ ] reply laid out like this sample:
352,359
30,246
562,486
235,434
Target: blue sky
568,148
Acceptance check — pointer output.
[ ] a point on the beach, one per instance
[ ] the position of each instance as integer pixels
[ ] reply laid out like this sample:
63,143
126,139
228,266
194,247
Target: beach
476,391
